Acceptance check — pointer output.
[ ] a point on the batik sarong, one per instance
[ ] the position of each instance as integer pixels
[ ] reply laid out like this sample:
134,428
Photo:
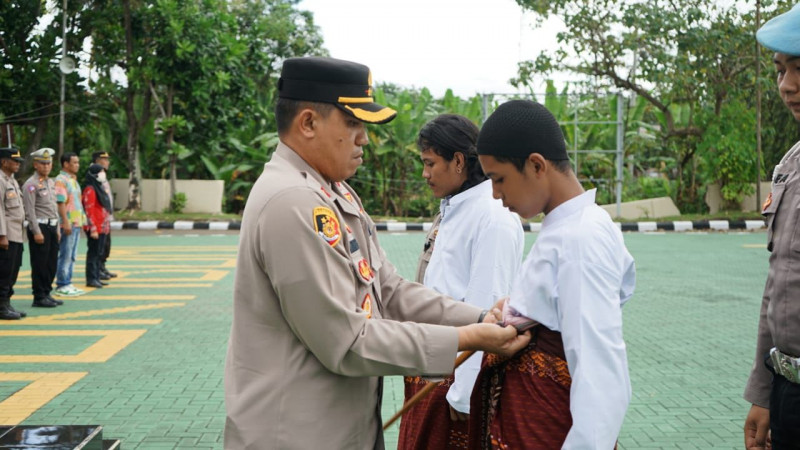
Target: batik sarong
522,402
427,424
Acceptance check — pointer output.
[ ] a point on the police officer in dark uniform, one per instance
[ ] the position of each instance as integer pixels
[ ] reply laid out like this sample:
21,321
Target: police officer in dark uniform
41,212
774,385
12,215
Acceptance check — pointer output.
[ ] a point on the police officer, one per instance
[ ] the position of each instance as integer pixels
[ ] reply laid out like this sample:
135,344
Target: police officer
774,384
319,312
12,215
41,212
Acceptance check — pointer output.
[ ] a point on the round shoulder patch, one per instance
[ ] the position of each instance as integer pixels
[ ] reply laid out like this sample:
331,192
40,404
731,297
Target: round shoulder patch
31,188
327,225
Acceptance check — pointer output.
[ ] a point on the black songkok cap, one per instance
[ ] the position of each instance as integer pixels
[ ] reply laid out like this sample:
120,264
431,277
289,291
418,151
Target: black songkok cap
518,128
346,84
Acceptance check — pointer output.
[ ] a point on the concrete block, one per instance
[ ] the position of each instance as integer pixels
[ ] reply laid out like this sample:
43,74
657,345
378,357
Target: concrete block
652,208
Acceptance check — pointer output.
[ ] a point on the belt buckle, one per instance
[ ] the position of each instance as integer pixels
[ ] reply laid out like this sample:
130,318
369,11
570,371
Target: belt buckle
786,366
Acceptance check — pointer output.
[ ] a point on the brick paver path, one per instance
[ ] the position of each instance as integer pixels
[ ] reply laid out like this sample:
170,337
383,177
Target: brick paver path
145,357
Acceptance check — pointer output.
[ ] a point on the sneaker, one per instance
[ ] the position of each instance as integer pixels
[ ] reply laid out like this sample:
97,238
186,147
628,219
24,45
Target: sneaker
64,291
75,291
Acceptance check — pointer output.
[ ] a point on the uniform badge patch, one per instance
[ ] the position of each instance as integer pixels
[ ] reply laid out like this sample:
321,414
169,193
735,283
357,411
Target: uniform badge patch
31,188
365,270
366,305
767,202
349,197
327,225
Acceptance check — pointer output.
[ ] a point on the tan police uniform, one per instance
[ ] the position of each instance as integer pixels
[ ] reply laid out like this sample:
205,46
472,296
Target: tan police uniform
319,315
427,249
779,323
41,212
13,211
12,215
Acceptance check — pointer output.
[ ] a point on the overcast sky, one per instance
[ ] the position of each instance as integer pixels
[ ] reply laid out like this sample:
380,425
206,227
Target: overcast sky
471,46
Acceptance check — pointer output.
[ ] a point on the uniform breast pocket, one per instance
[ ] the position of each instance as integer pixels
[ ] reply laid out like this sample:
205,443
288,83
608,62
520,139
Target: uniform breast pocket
42,192
13,200
771,208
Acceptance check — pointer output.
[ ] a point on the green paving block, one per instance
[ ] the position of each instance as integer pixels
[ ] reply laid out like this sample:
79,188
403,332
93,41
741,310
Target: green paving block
690,331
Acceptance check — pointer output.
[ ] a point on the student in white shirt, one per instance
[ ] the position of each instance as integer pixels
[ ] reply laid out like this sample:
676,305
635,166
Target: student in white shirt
570,388
472,252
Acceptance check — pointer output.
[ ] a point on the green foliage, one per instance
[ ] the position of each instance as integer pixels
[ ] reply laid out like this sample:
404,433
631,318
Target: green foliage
176,203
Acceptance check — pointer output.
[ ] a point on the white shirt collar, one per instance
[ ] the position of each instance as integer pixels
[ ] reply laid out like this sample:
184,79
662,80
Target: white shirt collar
452,201
569,207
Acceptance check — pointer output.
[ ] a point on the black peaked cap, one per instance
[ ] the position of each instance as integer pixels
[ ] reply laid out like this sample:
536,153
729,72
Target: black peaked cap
346,84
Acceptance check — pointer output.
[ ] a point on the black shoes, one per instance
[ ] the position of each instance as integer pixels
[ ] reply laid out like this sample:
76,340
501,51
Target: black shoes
103,282
43,303
94,284
7,314
55,300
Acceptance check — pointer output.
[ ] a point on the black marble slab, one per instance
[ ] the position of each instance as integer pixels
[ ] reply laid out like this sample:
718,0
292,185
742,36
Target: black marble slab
53,437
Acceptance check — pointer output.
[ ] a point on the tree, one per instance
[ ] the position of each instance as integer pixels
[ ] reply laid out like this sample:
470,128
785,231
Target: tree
688,59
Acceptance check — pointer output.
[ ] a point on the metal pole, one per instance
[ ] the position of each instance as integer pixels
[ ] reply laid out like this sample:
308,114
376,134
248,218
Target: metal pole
758,109
63,76
575,137
485,108
620,153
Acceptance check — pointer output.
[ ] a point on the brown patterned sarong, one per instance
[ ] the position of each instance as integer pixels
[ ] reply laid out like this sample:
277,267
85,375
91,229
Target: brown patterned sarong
427,424
522,402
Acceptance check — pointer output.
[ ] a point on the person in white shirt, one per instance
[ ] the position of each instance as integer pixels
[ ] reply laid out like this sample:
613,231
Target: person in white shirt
570,388
471,253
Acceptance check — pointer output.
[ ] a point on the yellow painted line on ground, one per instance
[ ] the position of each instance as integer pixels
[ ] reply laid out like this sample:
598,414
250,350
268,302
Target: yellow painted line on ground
119,250
147,285
110,344
157,297
224,265
208,275
754,245
44,387
68,318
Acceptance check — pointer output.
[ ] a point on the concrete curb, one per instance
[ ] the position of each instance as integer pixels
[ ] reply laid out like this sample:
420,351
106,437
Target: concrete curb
697,225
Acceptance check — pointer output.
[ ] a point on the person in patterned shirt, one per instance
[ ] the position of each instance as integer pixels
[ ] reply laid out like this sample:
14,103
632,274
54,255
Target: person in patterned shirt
72,218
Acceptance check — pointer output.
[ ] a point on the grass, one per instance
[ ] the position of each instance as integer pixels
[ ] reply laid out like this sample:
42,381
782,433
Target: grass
172,217
204,217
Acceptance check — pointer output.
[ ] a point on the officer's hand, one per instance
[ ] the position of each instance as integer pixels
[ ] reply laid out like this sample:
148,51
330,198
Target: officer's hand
94,235
4,243
67,229
756,428
38,238
457,416
492,338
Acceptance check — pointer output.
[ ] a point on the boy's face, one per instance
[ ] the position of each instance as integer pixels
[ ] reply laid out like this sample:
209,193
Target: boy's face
525,193
788,69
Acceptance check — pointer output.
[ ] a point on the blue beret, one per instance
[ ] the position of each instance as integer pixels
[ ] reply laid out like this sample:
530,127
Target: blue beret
782,33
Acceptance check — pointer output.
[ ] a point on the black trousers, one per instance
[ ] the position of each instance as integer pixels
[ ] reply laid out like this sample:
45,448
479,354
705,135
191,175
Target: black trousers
784,414
106,252
44,260
10,261
94,256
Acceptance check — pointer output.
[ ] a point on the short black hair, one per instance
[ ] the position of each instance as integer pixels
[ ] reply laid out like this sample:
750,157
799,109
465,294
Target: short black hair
449,134
67,157
561,165
287,109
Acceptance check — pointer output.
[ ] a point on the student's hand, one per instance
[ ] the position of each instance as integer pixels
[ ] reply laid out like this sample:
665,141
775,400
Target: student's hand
457,416
4,243
756,429
67,229
94,234
492,338
58,234
38,238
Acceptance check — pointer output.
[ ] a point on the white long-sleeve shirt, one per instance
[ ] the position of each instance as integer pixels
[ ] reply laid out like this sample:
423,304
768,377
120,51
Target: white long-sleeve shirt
477,252
575,280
